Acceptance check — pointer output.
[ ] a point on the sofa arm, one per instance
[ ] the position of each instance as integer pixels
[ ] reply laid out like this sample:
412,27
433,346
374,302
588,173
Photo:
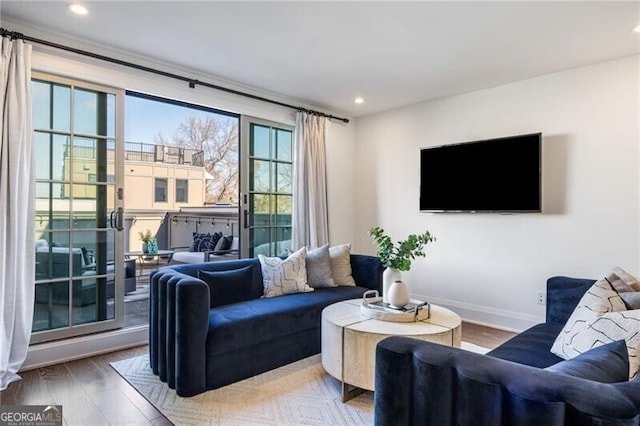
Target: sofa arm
178,325
563,295
424,383
367,271
191,327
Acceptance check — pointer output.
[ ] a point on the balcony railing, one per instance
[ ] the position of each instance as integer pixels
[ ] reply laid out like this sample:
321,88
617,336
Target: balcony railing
138,151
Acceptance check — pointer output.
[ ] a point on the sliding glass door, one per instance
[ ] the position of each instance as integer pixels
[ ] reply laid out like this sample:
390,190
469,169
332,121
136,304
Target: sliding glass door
78,144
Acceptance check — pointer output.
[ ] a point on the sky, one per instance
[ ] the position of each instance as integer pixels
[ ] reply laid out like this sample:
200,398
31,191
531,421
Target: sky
145,118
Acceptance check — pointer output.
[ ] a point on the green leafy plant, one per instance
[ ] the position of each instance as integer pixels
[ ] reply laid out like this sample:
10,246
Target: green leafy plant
400,256
145,236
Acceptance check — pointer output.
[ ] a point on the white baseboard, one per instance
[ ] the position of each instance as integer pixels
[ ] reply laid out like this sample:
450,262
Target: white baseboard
59,351
483,315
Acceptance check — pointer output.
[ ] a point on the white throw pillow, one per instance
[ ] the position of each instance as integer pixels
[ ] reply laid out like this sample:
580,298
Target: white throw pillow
341,265
601,317
284,276
319,267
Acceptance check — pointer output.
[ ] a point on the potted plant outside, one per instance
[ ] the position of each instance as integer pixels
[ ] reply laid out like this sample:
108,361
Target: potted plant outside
397,257
146,237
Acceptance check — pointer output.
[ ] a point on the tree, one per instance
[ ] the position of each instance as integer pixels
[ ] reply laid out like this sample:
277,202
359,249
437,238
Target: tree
217,138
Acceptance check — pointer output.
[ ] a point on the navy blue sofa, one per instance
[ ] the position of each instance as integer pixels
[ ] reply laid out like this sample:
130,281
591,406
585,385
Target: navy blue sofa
196,345
422,383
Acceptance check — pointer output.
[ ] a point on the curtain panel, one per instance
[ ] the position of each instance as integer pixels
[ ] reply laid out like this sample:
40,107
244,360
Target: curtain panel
310,210
17,262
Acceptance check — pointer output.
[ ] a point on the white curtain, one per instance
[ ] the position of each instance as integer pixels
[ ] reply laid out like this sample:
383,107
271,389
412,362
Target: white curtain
310,212
17,254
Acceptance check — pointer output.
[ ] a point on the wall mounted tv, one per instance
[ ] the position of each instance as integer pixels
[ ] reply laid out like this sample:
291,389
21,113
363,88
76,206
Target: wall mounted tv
493,175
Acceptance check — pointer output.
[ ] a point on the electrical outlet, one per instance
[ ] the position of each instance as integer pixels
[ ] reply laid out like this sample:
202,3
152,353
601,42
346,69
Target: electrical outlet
542,298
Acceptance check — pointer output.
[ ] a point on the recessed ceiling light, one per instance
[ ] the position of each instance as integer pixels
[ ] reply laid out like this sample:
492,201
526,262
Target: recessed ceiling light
637,28
77,8
358,100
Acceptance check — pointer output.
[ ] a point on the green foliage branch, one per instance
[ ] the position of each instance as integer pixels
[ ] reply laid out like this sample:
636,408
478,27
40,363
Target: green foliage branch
400,256
145,236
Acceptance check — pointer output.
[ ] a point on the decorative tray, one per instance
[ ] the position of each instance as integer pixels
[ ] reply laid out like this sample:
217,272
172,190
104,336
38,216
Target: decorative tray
373,307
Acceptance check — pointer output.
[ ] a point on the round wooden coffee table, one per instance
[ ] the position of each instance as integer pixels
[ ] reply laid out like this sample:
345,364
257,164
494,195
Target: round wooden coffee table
349,340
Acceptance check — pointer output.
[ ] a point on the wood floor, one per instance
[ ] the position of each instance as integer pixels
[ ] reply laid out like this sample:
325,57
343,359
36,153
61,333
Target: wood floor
92,393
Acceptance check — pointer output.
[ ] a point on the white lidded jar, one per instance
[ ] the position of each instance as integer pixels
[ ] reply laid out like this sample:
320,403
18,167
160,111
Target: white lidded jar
398,294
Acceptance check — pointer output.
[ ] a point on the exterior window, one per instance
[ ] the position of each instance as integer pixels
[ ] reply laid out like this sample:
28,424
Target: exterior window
182,191
160,190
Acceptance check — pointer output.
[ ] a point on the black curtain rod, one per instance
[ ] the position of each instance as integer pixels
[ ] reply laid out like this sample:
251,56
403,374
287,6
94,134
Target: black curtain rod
192,82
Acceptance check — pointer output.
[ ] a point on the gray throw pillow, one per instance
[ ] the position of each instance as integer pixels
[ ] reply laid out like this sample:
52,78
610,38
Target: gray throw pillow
319,267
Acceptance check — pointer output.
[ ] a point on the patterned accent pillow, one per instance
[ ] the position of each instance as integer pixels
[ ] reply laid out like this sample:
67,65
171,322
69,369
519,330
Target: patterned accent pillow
319,267
204,242
341,265
601,317
284,276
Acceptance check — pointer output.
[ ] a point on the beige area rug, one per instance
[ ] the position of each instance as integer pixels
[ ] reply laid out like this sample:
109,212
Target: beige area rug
301,393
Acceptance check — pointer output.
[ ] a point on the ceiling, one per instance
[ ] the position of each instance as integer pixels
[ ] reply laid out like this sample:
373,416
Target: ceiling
325,54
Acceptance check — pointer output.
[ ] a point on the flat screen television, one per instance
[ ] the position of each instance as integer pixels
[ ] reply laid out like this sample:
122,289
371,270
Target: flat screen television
493,175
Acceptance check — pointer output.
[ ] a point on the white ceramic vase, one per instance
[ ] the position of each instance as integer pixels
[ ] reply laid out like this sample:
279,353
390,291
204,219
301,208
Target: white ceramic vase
398,294
389,276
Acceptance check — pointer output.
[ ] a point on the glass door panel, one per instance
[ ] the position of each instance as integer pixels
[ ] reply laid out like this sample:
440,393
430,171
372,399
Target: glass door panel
268,187
77,273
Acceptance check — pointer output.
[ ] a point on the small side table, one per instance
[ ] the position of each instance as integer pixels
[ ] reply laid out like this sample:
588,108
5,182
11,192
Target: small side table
153,259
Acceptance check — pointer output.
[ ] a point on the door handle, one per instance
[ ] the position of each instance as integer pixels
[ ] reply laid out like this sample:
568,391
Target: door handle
120,219
246,219
111,218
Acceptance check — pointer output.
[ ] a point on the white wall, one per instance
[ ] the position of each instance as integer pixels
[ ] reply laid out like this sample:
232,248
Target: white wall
489,267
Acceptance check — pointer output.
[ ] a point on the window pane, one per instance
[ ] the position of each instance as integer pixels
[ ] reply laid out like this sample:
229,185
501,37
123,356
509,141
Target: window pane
91,112
53,255
259,176
51,156
160,191
182,191
284,178
52,208
89,158
283,210
259,146
261,209
283,238
51,308
259,242
41,104
283,150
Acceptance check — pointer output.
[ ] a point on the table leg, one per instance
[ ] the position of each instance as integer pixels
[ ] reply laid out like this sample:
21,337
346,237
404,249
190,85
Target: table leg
350,391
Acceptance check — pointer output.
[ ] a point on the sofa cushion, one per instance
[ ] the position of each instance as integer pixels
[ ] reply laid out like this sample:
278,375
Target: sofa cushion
340,257
531,347
605,364
254,321
319,267
284,276
601,317
226,287
224,243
